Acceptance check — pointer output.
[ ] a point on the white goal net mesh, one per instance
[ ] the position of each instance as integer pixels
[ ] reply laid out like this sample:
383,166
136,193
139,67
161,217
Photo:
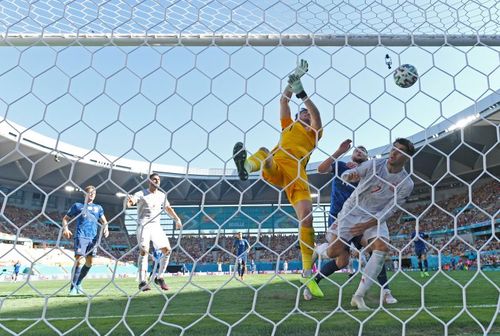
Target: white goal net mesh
104,93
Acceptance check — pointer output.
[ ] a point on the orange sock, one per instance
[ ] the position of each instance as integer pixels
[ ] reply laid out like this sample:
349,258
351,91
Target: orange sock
306,236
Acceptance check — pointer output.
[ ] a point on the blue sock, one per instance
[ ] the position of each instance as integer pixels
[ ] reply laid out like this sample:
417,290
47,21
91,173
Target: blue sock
83,274
382,278
426,265
76,275
420,266
326,270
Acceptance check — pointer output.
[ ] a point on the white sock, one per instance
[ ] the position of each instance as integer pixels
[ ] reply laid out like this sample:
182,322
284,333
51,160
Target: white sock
143,267
371,272
163,265
248,166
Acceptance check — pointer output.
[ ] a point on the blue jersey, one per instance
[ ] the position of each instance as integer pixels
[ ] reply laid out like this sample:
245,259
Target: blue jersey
340,190
86,223
16,268
241,246
419,243
157,254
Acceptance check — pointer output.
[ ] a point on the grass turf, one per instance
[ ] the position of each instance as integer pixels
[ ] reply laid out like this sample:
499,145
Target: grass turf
261,305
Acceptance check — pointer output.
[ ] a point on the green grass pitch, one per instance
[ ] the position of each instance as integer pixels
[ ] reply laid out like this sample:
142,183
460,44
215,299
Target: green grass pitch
261,305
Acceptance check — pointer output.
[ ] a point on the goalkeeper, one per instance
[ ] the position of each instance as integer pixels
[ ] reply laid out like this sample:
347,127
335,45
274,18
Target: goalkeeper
285,165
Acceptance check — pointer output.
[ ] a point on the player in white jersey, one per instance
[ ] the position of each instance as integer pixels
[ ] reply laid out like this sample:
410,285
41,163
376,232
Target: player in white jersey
383,186
150,204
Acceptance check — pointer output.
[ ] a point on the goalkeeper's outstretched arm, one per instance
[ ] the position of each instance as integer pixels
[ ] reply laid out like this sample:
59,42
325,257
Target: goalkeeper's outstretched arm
284,103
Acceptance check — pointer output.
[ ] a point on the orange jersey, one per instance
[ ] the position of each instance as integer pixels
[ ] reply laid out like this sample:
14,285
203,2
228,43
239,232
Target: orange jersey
296,141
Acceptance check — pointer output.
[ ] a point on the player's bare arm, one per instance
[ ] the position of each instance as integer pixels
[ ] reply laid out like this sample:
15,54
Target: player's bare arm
315,116
284,103
351,177
104,222
326,166
130,202
171,212
360,228
66,232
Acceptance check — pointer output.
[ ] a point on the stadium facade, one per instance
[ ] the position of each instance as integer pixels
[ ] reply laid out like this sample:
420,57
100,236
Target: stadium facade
28,157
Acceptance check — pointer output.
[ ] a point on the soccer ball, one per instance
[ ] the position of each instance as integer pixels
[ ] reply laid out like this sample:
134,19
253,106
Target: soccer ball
405,75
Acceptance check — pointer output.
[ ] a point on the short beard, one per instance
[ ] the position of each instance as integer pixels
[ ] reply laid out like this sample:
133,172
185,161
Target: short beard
360,160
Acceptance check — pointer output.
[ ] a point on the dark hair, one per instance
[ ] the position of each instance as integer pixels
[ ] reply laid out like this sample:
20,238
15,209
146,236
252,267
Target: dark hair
363,148
301,110
410,149
153,175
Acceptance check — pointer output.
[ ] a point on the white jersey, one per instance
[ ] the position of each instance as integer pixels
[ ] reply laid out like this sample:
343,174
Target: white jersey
377,196
150,206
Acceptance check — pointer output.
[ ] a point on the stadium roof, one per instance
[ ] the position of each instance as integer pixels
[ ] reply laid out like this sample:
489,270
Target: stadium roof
29,156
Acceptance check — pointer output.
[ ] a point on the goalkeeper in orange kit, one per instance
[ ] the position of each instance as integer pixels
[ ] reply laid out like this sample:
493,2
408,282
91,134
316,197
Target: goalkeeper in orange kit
285,165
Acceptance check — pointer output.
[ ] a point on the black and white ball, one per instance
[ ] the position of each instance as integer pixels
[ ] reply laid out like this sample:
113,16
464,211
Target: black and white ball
405,75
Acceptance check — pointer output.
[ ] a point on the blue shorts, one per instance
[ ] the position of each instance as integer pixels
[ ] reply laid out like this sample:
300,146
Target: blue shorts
242,259
85,246
420,252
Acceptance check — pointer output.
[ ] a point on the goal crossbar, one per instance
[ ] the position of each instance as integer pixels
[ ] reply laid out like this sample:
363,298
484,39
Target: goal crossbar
298,40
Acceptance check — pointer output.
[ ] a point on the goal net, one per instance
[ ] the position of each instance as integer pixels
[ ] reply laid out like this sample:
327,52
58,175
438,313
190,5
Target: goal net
104,93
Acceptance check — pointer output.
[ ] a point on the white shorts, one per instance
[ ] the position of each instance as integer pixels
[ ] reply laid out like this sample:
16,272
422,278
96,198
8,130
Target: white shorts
343,232
152,232
377,231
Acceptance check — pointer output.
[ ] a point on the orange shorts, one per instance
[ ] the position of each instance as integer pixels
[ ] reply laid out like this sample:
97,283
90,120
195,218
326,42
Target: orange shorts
290,176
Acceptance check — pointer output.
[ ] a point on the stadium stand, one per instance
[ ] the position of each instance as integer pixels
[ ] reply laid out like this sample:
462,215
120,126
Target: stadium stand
474,229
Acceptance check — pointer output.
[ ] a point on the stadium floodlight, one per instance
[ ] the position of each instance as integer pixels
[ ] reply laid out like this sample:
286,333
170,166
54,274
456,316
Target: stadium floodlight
120,194
463,122
69,188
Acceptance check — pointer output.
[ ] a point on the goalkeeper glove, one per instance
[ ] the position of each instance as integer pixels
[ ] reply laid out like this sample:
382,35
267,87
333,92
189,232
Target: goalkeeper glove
301,69
296,86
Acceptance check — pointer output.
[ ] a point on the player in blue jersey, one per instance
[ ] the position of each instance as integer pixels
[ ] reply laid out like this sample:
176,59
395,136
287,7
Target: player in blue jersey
341,191
87,216
157,255
241,247
421,252
17,268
